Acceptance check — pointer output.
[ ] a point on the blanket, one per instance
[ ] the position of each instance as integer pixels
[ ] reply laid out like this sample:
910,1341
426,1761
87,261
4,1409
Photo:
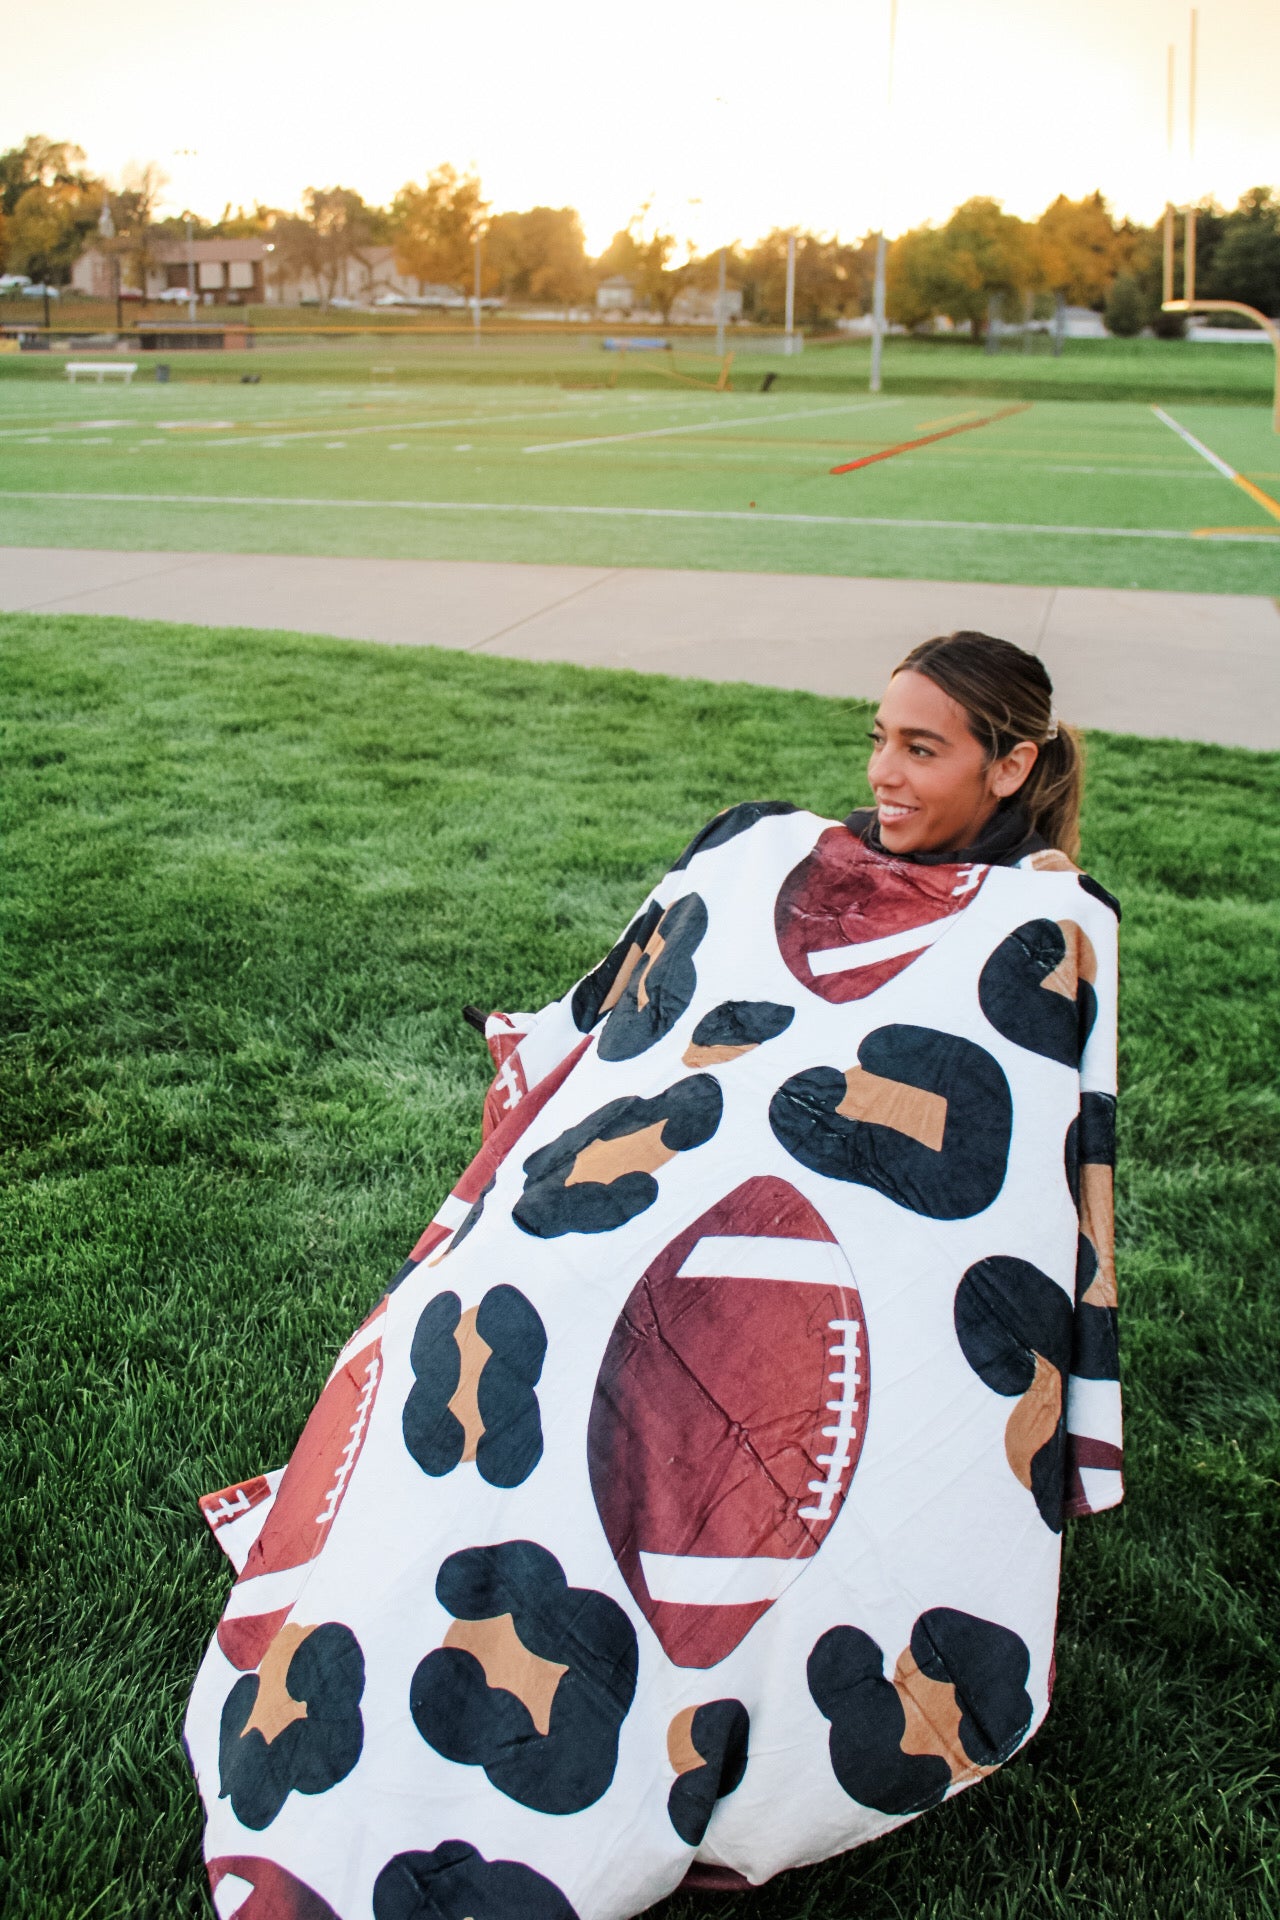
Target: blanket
690,1508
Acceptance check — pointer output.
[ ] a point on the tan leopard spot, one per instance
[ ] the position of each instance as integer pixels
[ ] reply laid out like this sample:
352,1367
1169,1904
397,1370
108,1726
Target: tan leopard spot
464,1404
1034,1420
607,1160
508,1664
911,1110
275,1707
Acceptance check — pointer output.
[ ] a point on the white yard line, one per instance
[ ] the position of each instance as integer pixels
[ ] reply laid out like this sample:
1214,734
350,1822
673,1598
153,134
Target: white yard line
707,426
257,500
406,426
1206,453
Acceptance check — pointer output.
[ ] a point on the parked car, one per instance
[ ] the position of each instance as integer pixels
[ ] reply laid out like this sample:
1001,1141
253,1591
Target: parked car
14,283
35,291
176,296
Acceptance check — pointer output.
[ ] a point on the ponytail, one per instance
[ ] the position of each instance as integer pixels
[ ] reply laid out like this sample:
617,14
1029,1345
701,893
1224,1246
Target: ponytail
1007,697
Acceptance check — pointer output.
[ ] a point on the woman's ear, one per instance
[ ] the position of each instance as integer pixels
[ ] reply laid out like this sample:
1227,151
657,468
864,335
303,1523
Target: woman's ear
1010,772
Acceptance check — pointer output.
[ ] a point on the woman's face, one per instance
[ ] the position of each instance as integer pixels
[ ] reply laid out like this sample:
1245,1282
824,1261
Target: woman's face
934,788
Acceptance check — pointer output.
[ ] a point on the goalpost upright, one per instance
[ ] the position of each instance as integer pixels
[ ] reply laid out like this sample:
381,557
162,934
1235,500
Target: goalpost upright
1189,303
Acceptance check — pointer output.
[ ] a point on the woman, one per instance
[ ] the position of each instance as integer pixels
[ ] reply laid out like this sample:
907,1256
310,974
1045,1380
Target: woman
691,1507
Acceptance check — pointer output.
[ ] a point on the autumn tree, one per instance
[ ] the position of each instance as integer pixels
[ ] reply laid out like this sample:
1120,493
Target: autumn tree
1082,249
833,279
651,260
334,228
50,204
434,228
981,253
39,162
538,256
919,282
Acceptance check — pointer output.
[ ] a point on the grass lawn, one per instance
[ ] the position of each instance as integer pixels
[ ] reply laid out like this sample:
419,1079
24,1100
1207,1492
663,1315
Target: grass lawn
418,353
251,879
1057,492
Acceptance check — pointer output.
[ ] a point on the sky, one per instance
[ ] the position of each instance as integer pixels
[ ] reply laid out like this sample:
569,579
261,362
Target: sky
726,119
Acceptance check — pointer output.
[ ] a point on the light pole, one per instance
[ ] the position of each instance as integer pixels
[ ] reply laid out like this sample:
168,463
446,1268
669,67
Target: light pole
877,298
107,231
790,322
720,303
476,322
188,153
191,272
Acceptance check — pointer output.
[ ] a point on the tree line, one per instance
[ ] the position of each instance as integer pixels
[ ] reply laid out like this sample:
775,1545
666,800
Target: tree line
980,261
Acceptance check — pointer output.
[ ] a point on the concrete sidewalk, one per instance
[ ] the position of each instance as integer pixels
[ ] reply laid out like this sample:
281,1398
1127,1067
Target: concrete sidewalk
1197,666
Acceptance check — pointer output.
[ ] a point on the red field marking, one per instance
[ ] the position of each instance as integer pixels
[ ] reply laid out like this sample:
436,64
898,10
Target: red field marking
927,440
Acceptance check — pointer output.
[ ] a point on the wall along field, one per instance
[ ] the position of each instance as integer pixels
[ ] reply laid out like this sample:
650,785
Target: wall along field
1043,490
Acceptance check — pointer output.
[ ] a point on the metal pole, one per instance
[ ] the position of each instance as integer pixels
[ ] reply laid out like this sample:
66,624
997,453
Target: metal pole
191,274
877,299
1169,243
791,290
477,299
1189,240
720,304
877,315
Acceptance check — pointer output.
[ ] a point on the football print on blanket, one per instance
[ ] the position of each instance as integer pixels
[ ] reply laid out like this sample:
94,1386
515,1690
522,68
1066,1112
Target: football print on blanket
849,921
729,1416
307,1500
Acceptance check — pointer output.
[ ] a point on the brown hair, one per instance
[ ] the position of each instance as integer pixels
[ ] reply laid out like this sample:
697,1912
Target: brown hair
1007,696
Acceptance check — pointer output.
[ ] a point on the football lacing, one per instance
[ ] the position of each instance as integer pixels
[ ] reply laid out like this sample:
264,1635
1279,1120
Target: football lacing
845,1375
354,1437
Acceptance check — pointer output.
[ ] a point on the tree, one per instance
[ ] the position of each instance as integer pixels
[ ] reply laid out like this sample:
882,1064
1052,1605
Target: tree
50,206
919,283
435,227
1246,261
1126,311
39,162
833,278
643,254
49,229
1081,248
335,228
957,269
539,255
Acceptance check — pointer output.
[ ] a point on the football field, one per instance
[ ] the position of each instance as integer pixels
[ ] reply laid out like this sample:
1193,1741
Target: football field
1045,491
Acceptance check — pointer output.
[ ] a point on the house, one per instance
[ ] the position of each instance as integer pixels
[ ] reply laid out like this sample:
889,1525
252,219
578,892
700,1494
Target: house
615,295
229,272
698,306
249,272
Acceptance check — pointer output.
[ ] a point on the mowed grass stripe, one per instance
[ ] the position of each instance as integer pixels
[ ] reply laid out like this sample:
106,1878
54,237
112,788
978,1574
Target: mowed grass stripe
623,513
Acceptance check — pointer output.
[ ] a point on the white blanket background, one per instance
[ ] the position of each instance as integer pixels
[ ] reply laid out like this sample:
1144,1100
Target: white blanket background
694,1498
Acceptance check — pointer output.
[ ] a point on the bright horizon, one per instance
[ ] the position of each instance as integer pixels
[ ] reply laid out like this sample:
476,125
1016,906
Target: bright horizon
728,124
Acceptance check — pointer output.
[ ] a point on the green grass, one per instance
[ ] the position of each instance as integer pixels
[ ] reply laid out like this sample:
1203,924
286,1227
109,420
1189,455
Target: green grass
250,881
1058,493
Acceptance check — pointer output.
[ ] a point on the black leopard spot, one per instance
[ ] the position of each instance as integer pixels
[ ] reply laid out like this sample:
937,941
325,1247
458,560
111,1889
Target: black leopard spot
600,1173
925,1118
534,1678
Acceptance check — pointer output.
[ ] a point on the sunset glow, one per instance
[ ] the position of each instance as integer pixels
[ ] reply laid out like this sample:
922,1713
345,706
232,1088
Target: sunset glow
729,119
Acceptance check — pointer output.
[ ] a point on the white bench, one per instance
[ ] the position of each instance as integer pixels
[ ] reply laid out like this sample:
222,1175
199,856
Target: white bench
123,369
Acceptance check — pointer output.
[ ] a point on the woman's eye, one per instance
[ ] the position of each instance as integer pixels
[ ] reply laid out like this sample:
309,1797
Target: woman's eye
922,753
